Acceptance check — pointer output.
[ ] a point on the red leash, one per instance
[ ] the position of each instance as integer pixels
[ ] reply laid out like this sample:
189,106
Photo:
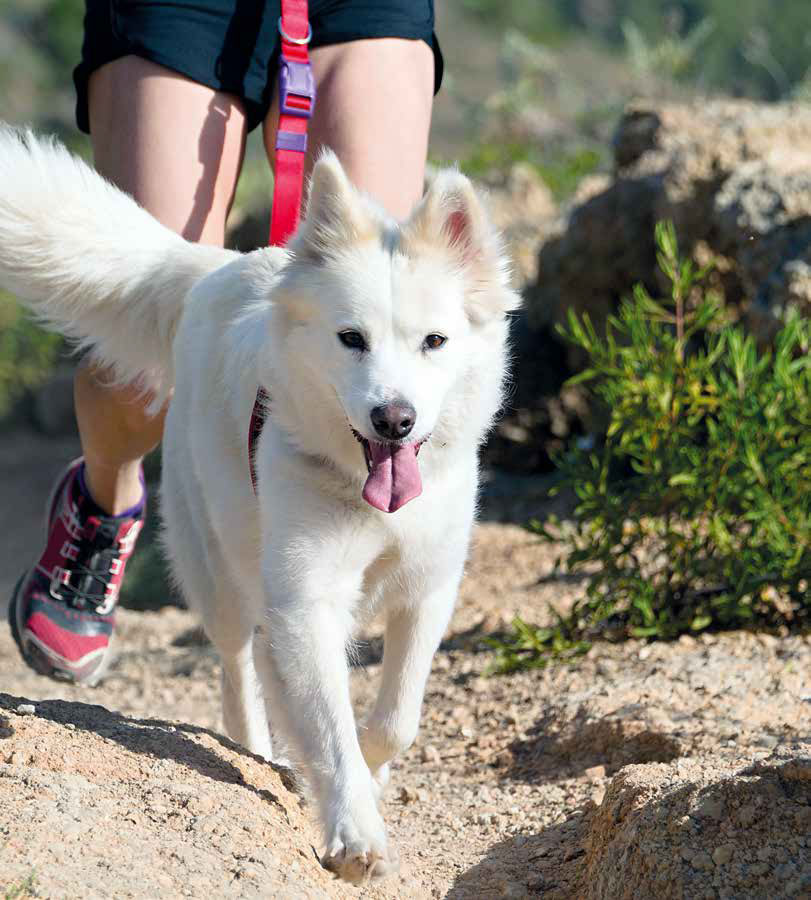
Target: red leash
296,104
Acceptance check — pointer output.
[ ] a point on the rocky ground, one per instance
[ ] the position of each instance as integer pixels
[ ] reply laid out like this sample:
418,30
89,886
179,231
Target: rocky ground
677,770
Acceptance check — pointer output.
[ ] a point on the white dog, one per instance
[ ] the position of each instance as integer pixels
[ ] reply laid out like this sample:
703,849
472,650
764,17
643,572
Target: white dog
375,341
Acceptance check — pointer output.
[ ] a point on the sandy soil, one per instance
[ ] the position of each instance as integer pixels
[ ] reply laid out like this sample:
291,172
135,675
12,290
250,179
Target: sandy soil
497,798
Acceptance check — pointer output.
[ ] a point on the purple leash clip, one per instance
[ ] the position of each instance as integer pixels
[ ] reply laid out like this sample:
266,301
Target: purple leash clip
295,80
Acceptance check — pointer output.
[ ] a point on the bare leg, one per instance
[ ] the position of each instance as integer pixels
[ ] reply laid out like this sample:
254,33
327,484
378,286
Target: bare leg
176,147
374,110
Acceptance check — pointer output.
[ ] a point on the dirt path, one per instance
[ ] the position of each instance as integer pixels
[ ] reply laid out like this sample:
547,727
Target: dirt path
494,800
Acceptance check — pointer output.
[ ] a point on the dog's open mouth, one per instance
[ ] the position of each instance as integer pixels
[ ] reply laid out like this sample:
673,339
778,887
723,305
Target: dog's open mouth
394,475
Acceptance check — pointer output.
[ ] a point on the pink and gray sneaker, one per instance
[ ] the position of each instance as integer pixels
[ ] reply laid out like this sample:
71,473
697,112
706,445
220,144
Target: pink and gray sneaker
63,610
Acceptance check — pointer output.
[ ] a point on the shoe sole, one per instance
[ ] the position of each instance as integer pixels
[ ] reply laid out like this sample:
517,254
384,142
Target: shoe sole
35,658
43,664
33,655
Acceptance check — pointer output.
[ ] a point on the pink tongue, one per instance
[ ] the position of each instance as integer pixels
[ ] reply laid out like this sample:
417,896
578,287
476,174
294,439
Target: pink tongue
394,478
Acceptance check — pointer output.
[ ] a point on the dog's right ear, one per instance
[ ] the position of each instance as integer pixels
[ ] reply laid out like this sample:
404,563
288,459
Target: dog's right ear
335,216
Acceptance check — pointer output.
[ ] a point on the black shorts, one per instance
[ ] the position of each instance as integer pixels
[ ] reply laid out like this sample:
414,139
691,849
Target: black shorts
233,45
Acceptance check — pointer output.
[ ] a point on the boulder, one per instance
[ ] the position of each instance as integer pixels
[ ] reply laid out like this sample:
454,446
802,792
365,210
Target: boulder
96,804
704,827
734,178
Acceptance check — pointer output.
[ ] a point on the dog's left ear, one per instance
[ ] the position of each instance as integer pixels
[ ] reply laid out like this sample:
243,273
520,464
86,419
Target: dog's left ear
335,214
452,216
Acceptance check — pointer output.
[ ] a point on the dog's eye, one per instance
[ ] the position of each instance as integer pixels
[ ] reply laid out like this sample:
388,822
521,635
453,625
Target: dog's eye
352,339
433,341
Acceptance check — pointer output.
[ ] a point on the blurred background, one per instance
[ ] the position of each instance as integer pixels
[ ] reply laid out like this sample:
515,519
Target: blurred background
587,121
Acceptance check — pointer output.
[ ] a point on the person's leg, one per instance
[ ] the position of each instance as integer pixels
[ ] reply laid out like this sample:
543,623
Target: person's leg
374,110
176,146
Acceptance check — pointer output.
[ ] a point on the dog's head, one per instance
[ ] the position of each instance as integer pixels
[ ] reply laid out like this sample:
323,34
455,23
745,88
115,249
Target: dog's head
392,336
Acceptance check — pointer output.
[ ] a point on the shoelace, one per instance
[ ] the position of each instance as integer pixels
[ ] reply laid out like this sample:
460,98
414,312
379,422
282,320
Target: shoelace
93,564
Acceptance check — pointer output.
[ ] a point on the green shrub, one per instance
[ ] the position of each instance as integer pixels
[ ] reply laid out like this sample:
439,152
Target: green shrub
694,512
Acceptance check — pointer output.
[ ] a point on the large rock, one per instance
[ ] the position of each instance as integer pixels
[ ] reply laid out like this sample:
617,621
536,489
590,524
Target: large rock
704,827
95,804
735,177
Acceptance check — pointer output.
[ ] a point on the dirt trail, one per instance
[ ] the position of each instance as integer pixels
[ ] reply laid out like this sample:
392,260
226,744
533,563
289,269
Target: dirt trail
497,798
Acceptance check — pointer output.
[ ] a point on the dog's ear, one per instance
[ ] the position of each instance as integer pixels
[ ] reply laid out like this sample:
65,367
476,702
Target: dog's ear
452,216
335,213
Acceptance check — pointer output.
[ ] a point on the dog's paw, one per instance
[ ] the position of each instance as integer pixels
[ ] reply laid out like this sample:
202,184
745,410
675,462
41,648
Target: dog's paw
357,863
358,851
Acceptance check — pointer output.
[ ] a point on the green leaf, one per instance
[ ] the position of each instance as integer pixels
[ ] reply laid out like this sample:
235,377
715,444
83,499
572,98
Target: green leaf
585,375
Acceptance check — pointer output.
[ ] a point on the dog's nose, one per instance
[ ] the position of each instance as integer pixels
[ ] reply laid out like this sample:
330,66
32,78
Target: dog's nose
393,420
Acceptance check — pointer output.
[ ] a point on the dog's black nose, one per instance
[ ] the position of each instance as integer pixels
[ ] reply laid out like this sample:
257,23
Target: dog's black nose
394,420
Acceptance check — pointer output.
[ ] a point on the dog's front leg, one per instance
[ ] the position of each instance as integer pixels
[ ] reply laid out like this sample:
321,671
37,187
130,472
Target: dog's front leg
301,657
414,628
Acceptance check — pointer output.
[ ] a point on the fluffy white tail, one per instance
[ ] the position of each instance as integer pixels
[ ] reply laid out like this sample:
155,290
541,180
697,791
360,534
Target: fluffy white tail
90,263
